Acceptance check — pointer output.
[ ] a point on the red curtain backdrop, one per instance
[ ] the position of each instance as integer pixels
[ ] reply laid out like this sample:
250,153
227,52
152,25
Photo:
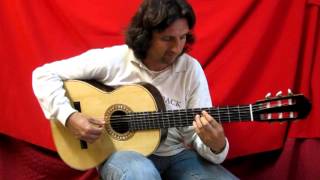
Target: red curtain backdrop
247,48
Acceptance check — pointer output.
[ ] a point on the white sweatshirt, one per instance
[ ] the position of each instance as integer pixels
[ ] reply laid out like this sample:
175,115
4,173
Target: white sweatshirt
182,85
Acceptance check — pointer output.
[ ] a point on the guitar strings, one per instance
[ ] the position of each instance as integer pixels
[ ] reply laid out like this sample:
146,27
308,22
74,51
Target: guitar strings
163,119
174,118
145,124
142,115
216,112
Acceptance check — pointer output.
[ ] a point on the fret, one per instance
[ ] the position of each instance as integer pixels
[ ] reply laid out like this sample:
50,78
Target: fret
188,115
146,120
179,120
163,125
153,122
142,119
156,120
228,114
183,117
150,119
160,119
239,115
232,113
219,117
136,121
174,114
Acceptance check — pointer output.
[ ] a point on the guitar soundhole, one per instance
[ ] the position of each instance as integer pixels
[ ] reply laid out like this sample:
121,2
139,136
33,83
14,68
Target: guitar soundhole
119,123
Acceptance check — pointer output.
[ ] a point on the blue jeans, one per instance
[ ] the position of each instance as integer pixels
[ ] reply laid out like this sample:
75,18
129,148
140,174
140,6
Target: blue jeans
187,165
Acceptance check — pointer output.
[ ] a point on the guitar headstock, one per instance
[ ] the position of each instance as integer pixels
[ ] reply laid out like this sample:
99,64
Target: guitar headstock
282,108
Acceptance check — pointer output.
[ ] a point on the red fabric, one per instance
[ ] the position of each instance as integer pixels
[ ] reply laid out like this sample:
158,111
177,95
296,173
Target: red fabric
21,160
298,160
248,48
308,78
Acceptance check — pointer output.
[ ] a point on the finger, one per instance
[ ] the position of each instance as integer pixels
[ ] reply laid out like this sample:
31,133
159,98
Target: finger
207,115
205,124
89,140
196,127
94,130
204,121
91,137
98,122
210,119
198,121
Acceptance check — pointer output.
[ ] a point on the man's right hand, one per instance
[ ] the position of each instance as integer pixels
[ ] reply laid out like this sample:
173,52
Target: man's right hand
84,127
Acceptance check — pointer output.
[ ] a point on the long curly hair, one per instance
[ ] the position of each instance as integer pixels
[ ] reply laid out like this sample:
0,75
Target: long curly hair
156,16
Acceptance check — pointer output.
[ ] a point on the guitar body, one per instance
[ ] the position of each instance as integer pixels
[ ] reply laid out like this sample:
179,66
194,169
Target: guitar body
99,103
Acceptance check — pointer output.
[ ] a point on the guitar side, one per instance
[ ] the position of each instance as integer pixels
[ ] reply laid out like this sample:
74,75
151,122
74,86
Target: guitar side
98,103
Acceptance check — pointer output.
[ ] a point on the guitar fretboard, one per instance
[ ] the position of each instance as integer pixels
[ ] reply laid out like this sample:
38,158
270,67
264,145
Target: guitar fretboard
181,118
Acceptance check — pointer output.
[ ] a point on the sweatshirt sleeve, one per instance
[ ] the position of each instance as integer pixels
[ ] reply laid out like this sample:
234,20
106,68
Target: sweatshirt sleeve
47,81
200,97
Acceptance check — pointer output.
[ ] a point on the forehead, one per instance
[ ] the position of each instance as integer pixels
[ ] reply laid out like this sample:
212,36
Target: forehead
177,28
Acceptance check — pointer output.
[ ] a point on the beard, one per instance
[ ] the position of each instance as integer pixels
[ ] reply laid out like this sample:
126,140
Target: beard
169,58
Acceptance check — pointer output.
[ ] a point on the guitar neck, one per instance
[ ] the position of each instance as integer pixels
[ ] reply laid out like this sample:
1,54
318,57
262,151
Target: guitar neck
185,117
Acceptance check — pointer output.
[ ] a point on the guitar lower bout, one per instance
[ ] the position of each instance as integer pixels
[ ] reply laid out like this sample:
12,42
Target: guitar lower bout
117,136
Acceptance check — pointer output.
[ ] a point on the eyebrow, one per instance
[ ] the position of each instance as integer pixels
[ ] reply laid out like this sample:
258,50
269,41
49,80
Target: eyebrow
174,36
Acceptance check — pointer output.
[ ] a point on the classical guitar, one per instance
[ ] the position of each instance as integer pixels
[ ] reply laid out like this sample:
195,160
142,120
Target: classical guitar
134,115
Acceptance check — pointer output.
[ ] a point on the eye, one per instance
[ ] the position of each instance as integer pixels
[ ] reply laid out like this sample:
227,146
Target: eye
183,37
166,38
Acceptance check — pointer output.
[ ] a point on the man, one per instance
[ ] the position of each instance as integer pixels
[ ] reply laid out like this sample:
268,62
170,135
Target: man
156,42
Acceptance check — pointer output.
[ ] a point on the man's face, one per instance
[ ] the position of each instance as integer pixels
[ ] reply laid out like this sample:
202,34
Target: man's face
166,46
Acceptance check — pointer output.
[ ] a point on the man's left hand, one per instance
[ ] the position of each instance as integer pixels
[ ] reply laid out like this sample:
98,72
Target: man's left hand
210,131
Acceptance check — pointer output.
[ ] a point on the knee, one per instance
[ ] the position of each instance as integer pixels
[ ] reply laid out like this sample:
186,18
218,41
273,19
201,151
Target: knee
128,165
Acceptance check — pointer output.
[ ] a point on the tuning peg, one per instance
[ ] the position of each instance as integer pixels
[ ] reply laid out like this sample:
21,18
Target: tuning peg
268,105
268,95
291,115
279,93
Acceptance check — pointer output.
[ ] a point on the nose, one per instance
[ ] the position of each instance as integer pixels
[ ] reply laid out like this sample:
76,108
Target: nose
177,46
